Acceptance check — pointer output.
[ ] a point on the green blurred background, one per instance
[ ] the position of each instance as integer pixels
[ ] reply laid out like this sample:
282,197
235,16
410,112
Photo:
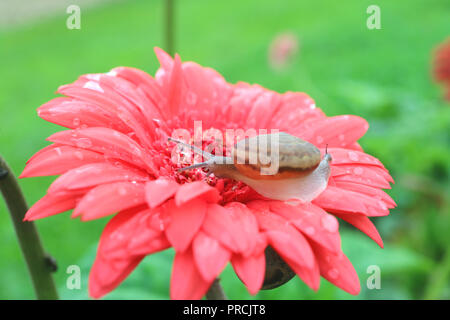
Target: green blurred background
382,75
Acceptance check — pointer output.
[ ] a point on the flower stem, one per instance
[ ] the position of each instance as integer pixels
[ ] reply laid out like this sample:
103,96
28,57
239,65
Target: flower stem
216,292
169,27
40,265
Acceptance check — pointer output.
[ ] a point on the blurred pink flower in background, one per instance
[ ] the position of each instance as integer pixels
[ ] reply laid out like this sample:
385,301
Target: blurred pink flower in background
116,159
441,66
282,50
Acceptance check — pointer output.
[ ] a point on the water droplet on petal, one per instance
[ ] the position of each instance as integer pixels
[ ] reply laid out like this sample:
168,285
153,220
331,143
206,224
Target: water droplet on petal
84,143
382,205
329,223
122,191
319,139
341,137
78,155
310,230
76,122
58,151
358,171
333,273
93,86
191,98
112,73
94,76
353,156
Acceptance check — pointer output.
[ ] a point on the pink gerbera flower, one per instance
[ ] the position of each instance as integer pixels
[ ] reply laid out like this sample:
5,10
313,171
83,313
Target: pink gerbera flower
441,67
116,159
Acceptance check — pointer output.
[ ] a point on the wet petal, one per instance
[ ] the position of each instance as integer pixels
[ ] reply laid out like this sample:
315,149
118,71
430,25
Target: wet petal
107,199
186,282
337,200
94,174
184,222
197,189
57,159
250,270
210,256
337,269
159,190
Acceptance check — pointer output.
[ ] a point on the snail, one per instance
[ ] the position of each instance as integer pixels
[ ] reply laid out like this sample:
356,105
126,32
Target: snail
299,173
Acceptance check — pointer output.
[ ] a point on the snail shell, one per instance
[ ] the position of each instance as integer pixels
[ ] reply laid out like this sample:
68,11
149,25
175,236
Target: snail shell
277,271
296,157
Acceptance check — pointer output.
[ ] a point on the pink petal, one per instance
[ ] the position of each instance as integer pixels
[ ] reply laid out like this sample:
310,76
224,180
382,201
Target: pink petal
105,97
207,92
58,159
106,275
107,199
312,221
363,174
370,191
131,233
210,256
74,114
339,131
185,221
145,83
364,224
224,224
262,110
240,103
107,141
186,282
295,109
250,270
346,156
290,244
94,174
337,200
310,276
337,269
52,204
175,87
159,190
164,58
286,240
197,189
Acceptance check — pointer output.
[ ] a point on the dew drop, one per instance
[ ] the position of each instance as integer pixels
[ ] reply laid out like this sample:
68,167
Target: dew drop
382,205
341,137
78,155
94,76
84,143
353,156
329,223
93,86
191,98
333,273
122,191
58,151
112,73
319,139
310,231
358,171
76,122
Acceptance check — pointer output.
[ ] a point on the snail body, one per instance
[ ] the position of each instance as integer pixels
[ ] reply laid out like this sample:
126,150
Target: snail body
294,172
